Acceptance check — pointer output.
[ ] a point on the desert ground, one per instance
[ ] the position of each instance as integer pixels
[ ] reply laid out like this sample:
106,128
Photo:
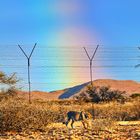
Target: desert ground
121,131
43,120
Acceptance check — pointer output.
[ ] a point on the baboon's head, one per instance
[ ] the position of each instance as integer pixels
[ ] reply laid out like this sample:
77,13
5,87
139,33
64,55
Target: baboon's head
64,121
83,115
86,115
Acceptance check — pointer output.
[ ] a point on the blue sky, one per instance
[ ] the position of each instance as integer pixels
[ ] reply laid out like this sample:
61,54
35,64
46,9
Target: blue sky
61,28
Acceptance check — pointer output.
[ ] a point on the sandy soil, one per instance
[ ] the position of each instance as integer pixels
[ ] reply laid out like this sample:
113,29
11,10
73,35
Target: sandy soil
122,131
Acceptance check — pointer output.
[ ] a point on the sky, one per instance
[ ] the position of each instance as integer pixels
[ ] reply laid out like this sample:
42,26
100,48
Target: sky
61,28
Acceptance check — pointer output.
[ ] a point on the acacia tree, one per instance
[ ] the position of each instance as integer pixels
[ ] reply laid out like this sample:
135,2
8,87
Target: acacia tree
8,83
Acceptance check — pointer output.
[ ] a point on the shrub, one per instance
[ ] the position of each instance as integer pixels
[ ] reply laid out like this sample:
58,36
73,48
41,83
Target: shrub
19,115
8,83
118,112
135,95
83,97
105,94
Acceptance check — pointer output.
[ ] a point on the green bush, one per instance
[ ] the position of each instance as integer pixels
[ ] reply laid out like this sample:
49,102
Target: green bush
105,94
8,85
135,95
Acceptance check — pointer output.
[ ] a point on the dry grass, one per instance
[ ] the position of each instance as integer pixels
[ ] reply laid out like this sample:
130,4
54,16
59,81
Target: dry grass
119,112
17,114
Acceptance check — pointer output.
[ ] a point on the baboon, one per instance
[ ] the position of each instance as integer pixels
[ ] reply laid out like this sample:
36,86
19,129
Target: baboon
77,116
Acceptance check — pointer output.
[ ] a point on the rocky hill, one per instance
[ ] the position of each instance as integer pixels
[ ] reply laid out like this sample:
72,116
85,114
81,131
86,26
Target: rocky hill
129,86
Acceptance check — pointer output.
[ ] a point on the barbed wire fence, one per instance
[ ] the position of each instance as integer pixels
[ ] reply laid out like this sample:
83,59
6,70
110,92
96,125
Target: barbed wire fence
106,59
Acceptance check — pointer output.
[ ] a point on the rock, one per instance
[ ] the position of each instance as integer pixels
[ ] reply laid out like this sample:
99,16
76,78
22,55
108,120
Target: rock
31,137
137,134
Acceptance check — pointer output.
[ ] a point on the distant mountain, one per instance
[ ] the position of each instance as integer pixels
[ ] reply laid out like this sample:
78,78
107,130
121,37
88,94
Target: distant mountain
129,86
70,92
41,95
